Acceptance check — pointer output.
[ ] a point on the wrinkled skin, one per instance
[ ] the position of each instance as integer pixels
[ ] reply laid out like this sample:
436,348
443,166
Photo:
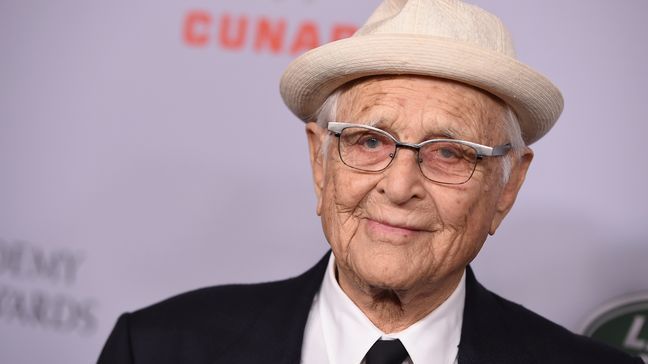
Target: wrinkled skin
402,242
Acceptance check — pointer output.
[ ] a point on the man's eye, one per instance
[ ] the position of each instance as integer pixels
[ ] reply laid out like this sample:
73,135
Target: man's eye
371,142
448,153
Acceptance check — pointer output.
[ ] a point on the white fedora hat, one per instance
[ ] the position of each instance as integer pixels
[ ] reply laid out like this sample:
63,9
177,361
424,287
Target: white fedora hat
441,38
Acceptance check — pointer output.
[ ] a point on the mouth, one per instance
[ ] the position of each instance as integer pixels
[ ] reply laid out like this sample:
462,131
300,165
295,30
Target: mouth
390,228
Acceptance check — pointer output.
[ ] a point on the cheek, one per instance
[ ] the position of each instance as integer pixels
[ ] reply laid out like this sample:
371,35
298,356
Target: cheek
454,205
477,210
466,214
348,188
467,207
342,199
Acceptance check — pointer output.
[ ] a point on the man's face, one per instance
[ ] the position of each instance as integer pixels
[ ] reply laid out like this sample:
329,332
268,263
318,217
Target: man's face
396,229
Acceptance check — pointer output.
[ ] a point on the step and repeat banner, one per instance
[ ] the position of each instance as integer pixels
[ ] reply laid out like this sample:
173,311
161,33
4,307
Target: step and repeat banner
145,151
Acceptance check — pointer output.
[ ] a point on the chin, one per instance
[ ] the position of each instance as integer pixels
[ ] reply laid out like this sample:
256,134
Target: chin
385,276
379,265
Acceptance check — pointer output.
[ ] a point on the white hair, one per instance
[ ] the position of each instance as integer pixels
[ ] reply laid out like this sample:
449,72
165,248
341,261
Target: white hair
513,133
329,109
328,112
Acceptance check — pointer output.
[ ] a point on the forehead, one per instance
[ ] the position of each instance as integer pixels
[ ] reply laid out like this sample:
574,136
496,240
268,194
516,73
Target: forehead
416,107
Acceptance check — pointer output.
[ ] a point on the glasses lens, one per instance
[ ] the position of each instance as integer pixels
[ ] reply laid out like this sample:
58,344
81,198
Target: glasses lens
448,162
366,149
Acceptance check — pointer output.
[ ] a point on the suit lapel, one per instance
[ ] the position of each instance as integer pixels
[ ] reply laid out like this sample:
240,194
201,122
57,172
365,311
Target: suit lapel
486,335
297,317
275,332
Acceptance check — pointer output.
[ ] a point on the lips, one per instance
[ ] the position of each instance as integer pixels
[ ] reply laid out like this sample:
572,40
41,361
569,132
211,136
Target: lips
396,225
391,228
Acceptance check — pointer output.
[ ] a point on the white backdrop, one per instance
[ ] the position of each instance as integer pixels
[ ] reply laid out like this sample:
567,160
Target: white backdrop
137,162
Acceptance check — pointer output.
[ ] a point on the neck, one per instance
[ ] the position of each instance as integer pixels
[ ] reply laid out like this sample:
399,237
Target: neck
393,310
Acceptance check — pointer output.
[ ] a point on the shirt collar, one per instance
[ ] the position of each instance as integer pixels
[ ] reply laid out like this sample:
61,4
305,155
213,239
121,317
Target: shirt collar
348,333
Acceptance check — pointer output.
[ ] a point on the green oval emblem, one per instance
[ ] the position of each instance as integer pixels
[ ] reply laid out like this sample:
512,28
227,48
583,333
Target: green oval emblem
623,324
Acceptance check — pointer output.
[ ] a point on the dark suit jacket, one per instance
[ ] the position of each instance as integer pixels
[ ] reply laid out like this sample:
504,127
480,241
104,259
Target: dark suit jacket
264,323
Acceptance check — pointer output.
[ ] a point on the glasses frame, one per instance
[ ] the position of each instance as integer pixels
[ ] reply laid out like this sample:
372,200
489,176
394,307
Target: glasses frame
336,128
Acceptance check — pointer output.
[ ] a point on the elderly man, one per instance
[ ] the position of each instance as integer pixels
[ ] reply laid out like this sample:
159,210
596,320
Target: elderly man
418,129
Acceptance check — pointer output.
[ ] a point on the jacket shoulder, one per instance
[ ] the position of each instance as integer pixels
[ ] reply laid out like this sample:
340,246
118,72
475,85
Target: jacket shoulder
553,343
216,307
237,323
496,330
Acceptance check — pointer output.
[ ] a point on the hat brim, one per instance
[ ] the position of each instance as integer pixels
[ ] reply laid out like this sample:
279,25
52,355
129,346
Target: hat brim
313,76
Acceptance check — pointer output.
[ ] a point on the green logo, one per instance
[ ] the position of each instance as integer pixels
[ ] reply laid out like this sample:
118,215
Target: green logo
623,324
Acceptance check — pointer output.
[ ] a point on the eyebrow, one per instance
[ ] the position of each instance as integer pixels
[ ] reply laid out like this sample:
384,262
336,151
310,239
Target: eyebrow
448,133
439,133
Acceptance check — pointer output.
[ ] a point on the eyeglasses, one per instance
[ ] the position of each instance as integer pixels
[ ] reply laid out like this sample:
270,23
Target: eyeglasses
447,161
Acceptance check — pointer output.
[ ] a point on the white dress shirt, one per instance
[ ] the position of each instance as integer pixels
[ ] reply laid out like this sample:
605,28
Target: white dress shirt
337,332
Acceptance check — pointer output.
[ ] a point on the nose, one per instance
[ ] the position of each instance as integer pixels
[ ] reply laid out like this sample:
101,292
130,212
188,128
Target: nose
403,180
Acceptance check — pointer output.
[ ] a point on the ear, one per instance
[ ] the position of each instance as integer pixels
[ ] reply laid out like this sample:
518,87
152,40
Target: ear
510,191
316,135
